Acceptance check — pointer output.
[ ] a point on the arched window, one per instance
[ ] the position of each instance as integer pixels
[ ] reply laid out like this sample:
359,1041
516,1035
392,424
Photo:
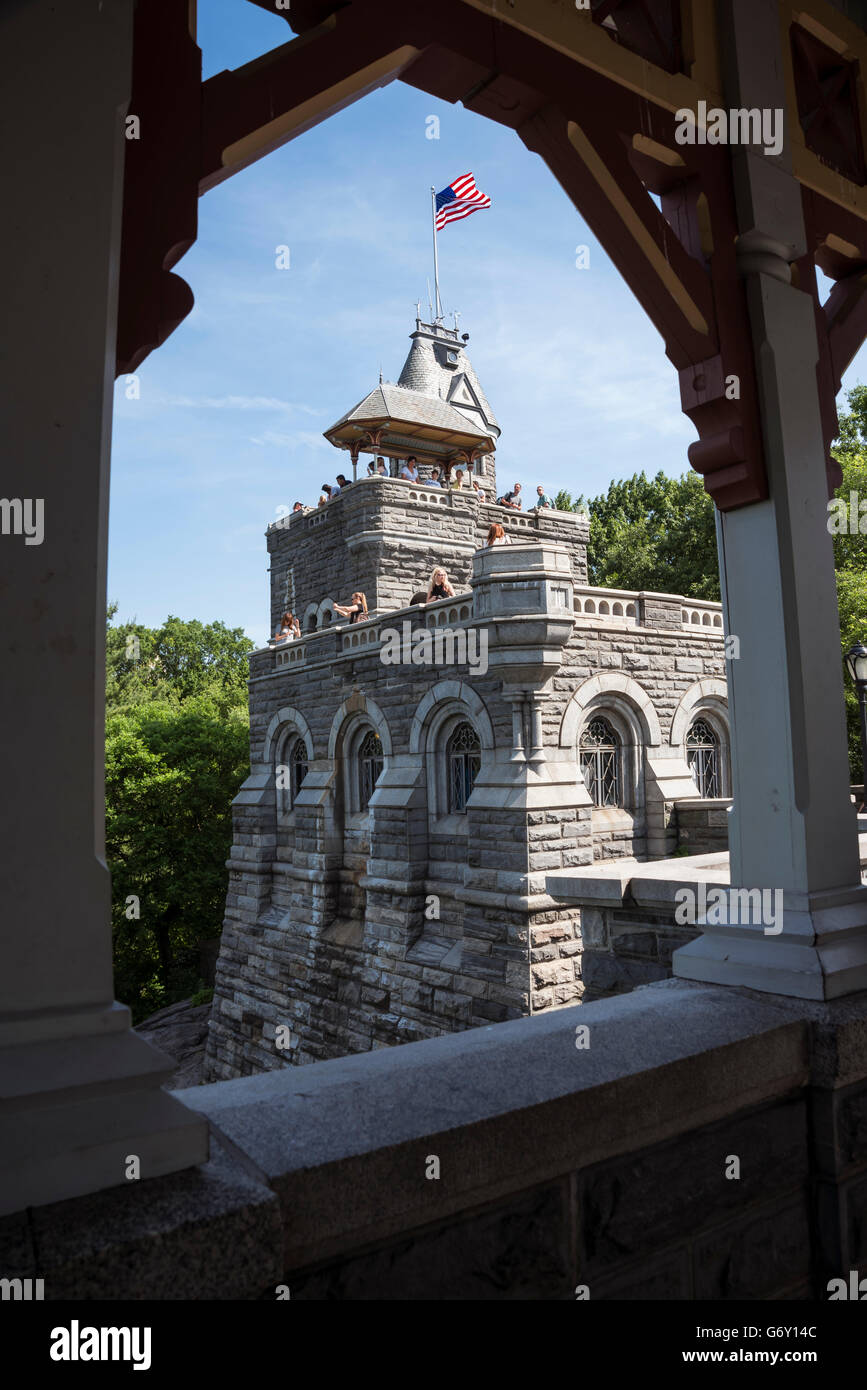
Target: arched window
600,763
370,763
702,754
298,766
463,759
291,769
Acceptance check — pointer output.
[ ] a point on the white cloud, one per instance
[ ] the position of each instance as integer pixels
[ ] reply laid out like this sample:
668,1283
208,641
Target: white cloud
233,403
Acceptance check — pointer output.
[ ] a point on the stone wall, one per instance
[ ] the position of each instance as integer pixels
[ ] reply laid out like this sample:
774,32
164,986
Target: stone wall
703,825
384,537
601,1171
354,932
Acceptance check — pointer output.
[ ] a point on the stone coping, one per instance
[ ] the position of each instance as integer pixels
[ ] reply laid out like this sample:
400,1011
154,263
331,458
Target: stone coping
423,494
655,884
316,1162
344,1143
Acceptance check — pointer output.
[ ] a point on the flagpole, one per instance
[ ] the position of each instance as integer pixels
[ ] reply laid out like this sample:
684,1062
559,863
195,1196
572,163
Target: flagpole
433,207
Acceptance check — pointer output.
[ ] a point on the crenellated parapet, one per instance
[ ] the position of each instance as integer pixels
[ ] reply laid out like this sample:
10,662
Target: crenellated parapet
384,537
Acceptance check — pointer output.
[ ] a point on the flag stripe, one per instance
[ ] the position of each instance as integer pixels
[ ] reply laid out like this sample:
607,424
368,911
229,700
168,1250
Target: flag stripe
458,201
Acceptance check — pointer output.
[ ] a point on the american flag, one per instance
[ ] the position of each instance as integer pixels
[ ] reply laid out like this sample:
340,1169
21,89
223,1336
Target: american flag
459,200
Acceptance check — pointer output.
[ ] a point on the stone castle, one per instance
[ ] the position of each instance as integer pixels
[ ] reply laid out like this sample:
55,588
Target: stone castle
393,840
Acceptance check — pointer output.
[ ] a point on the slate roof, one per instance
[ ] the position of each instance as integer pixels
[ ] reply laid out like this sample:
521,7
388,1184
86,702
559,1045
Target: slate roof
425,370
432,392
389,401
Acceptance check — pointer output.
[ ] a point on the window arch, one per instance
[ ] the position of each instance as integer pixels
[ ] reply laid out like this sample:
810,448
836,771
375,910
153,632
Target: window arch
463,753
288,752
370,762
298,766
703,757
601,752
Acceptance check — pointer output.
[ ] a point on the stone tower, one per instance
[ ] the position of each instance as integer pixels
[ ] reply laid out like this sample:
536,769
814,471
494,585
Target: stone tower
402,815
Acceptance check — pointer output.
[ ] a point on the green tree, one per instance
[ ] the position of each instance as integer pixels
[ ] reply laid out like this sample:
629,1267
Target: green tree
176,661
652,533
850,553
176,752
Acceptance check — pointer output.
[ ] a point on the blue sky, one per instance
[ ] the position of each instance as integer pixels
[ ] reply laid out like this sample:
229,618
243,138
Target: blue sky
228,425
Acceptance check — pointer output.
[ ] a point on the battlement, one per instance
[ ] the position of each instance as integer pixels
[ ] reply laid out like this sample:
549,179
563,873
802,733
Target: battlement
384,536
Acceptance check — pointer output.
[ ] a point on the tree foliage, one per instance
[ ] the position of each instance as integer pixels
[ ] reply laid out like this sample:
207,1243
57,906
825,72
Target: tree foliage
652,533
850,553
176,753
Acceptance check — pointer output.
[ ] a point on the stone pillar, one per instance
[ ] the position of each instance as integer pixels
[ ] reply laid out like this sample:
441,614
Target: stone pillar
81,1091
793,826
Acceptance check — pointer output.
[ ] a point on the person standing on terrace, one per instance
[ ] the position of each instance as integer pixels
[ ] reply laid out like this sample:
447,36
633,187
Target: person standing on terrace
542,499
512,499
355,611
409,472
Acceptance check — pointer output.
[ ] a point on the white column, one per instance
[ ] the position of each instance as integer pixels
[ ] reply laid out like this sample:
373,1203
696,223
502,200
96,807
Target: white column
793,826
81,1092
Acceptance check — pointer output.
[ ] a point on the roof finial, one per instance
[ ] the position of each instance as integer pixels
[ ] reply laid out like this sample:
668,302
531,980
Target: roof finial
380,373
457,316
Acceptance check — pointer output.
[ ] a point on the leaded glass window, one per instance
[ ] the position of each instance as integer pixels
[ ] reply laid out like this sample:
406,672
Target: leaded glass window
702,755
369,766
463,760
298,766
600,763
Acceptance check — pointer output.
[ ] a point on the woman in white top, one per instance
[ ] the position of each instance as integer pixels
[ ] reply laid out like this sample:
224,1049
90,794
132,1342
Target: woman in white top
289,629
497,536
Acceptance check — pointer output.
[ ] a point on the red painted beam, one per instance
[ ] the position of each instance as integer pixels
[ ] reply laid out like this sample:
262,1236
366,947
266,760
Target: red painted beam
238,103
160,203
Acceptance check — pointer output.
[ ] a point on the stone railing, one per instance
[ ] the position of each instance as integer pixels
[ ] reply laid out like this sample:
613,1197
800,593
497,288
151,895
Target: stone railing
449,612
648,609
399,491
555,1138
622,605
702,613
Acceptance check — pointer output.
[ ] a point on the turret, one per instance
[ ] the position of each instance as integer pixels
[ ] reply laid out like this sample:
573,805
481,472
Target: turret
436,410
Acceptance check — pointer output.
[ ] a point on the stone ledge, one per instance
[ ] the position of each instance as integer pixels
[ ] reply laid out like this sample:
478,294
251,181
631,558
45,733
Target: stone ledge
211,1232
505,1108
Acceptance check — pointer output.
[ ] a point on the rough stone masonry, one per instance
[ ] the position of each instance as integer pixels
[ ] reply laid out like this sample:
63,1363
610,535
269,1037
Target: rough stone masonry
387,876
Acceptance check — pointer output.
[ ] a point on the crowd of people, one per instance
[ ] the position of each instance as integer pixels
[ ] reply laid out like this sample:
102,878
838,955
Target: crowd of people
439,585
442,478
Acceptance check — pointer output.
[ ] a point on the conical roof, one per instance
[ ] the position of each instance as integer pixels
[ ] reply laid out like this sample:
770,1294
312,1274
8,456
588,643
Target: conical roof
438,366
437,401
